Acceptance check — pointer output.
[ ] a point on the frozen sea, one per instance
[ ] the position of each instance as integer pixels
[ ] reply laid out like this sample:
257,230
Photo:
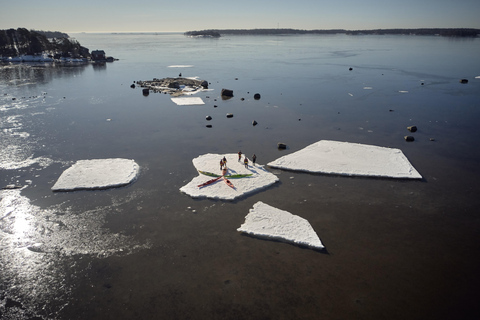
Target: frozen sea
397,249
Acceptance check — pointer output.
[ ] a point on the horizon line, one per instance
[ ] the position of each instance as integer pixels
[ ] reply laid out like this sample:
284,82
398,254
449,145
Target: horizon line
178,31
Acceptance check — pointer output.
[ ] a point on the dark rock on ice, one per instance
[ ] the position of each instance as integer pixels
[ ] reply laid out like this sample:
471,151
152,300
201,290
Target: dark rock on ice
412,128
227,93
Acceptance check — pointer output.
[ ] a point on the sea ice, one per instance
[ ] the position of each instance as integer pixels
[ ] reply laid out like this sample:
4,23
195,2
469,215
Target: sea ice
265,221
97,174
352,159
181,66
210,163
190,101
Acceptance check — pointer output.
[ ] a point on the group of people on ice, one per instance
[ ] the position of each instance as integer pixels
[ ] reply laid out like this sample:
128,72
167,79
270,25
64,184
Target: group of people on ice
223,162
245,161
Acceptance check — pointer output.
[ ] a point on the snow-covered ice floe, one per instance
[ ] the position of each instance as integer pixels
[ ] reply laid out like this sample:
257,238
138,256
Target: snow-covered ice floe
352,159
190,101
242,180
265,221
181,66
97,174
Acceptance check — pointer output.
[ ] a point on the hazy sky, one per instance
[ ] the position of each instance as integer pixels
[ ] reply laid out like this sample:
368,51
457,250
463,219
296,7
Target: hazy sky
159,15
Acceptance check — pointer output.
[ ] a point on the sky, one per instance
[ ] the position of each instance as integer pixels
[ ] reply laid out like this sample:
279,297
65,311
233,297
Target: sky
158,15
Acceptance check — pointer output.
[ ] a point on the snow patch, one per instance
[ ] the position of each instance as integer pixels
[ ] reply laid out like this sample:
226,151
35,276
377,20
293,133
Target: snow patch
190,101
97,174
352,159
259,178
265,221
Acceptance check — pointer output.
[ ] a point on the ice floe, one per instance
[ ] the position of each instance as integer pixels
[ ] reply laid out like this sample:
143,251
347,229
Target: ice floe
97,174
180,66
243,180
188,101
352,159
265,221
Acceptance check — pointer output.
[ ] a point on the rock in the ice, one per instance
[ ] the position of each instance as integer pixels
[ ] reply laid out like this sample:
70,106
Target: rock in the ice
97,174
412,128
259,178
265,221
227,93
352,159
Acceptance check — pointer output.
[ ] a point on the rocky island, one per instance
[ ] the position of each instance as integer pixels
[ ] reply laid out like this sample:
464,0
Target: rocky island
173,86
22,45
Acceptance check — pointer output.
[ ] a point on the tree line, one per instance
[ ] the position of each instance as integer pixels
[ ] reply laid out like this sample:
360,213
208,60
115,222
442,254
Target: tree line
448,32
21,41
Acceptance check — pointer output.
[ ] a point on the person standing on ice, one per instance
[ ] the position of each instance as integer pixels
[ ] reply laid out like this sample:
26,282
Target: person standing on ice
225,162
239,155
246,162
254,158
221,164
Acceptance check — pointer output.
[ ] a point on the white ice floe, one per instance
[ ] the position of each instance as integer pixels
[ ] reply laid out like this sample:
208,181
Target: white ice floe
97,174
265,221
352,159
180,66
258,178
189,101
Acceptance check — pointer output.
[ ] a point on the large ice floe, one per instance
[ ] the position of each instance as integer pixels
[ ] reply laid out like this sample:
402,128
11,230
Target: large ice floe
265,221
97,174
352,159
237,181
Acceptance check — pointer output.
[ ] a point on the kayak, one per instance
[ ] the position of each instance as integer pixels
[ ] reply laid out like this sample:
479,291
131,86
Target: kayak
209,182
228,183
209,174
233,176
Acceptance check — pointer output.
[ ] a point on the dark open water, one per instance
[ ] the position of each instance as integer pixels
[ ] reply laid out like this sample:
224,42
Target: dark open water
396,249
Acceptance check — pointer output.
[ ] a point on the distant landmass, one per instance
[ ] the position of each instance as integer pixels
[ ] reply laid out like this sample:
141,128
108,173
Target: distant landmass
17,42
446,32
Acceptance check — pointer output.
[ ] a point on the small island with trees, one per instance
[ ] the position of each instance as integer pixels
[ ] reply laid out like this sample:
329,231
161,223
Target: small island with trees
17,45
446,32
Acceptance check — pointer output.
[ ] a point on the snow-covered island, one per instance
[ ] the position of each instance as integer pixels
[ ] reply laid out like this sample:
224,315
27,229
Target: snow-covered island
352,159
265,221
97,174
236,182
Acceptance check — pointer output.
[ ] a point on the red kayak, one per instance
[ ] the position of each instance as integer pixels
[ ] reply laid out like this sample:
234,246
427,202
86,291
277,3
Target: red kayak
228,183
208,182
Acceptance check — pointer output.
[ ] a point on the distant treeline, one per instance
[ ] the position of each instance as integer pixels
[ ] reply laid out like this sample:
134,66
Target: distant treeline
16,42
453,32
